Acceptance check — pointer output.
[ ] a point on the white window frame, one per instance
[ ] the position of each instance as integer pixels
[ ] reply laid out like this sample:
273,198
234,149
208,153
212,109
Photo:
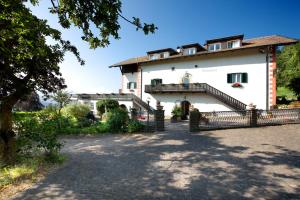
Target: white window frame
153,56
233,42
214,45
131,85
237,77
191,51
166,54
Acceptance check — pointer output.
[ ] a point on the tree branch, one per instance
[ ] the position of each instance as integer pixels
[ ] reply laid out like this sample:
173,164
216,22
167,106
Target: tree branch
131,22
53,4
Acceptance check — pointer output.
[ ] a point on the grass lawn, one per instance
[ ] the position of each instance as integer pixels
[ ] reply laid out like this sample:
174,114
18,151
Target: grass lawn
283,91
22,175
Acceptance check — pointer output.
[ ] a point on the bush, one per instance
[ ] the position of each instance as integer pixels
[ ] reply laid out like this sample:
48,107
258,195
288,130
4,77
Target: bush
117,120
79,112
93,129
19,116
37,133
108,104
135,126
176,112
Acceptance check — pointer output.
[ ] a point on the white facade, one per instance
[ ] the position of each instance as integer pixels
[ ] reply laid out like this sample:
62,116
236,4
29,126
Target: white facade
92,104
129,77
210,69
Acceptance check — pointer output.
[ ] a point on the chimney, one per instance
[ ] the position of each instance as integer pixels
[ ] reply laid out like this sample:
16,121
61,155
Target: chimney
179,49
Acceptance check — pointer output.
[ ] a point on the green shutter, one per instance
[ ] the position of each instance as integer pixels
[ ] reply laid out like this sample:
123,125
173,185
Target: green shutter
160,81
134,85
229,78
244,78
152,82
128,85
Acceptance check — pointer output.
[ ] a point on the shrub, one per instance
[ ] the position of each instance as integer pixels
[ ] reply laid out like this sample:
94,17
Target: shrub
37,133
176,112
135,126
93,129
79,112
117,120
106,105
19,116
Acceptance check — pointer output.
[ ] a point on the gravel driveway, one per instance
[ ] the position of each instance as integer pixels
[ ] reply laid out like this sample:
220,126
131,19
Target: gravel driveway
257,163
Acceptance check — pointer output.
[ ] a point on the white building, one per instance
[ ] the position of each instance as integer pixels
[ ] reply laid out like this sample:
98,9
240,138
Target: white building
224,74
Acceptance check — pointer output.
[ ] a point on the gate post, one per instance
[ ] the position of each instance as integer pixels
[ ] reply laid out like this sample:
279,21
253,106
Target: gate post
159,118
133,114
194,120
253,117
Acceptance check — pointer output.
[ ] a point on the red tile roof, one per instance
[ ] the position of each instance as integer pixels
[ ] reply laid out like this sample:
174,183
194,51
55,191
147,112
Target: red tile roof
273,40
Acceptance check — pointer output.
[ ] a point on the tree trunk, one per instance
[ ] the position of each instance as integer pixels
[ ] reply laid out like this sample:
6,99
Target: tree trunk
7,139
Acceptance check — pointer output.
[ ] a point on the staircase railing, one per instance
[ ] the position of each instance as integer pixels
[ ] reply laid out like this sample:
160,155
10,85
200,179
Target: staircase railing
196,88
224,97
141,103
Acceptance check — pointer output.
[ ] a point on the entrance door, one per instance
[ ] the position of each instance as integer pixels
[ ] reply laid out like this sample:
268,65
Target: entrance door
185,109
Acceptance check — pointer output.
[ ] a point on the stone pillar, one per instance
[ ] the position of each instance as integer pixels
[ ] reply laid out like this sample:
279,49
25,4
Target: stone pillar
159,118
253,117
194,120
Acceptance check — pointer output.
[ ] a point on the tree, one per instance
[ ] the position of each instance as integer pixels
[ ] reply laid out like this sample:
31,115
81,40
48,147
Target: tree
27,63
294,85
29,103
62,98
288,68
102,15
106,105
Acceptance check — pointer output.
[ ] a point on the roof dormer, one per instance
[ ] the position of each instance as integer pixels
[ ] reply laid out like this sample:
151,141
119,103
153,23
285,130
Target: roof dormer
161,53
224,43
191,49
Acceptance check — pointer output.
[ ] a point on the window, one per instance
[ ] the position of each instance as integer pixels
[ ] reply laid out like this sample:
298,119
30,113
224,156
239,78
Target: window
233,44
217,46
214,47
237,78
186,80
131,85
156,82
191,51
153,56
166,54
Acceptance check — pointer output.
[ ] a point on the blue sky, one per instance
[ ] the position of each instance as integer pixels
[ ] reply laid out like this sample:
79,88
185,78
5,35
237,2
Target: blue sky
179,22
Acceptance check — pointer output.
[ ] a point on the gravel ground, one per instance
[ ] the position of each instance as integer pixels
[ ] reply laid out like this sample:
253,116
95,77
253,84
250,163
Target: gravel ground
257,163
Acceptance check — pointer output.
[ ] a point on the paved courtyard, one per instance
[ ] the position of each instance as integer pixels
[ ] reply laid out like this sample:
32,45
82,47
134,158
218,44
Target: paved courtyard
258,163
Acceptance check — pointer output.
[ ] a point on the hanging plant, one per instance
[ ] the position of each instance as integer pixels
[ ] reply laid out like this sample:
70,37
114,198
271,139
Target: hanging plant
237,85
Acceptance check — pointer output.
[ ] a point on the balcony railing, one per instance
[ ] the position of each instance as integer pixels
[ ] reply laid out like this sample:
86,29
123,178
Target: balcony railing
196,88
169,88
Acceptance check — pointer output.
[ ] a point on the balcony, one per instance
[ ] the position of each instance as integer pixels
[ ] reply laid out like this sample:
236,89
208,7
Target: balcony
175,88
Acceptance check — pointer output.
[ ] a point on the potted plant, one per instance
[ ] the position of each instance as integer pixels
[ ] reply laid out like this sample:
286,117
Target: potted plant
176,114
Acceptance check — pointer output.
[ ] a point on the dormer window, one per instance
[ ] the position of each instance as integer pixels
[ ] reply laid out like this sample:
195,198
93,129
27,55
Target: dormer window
153,56
191,51
214,47
164,55
233,44
161,53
